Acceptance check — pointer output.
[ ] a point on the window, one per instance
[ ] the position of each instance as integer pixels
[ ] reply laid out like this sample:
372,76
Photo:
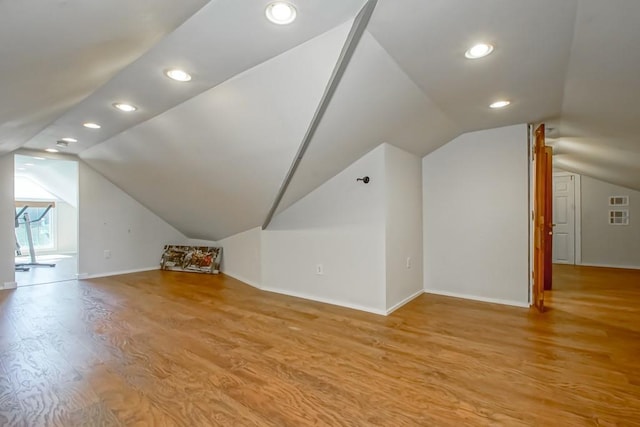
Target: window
42,231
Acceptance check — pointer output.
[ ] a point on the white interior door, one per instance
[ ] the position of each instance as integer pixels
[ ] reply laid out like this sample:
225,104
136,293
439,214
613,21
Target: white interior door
564,212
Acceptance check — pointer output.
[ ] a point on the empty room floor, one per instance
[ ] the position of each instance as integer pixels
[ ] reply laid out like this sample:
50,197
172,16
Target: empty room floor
66,267
165,348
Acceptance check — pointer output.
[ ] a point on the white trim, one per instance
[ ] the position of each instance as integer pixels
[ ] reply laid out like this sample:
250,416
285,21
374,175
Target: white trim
326,301
118,273
624,267
9,285
242,279
477,298
405,301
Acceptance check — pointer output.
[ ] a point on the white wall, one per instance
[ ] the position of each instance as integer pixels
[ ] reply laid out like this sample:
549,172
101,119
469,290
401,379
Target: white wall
67,227
476,216
403,226
7,222
361,235
604,244
340,225
200,242
242,256
110,219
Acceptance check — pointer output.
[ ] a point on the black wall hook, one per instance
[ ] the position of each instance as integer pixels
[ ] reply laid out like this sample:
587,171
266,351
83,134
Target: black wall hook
364,179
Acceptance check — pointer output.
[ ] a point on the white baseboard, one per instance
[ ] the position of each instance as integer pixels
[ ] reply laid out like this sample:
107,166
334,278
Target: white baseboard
326,301
405,301
242,279
117,273
477,298
625,267
9,285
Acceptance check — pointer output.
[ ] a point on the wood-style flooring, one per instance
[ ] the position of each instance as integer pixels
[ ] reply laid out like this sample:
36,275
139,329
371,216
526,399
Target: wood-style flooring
167,348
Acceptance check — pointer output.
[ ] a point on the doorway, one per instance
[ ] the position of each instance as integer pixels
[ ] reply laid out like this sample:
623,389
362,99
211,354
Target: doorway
566,218
46,219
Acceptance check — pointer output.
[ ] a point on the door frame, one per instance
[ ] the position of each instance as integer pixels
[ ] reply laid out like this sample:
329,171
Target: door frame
51,157
540,178
577,215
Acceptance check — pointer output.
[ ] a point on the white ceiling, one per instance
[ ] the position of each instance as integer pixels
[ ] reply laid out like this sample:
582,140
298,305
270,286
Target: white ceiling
235,128
598,125
528,65
55,176
212,166
54,53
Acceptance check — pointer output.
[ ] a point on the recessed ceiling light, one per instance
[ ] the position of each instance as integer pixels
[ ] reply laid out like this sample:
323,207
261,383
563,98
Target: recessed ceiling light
20,169
500,104
478,51
68,139
91,125
178,75
127,108
39,158
51,150
29,164
281,12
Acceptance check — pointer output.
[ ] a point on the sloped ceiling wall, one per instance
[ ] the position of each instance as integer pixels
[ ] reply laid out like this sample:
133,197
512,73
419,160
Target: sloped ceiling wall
56,53
532,42
222,40
209,156
376,102
212,166
598,132
58,177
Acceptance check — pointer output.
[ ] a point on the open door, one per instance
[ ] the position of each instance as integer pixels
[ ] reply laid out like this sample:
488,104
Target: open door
542,219
548,216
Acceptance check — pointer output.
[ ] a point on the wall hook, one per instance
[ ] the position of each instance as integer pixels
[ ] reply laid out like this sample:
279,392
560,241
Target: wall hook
364,179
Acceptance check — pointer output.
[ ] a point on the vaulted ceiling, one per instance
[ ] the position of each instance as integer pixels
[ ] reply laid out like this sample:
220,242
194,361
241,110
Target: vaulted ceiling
210,155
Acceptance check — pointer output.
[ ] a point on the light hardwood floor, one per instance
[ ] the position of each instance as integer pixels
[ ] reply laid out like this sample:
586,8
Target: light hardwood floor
164,348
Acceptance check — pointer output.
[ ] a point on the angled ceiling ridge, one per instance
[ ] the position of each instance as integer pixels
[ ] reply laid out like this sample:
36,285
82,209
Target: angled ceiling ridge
357,29
236,140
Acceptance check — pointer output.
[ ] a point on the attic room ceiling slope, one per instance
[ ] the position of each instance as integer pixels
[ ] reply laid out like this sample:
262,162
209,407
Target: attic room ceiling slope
211,166
220,41
375,102
597,133
532,42
56,53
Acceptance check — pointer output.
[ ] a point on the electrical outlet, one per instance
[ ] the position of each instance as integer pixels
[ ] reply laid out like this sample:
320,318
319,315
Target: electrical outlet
408,262
319,269
107,254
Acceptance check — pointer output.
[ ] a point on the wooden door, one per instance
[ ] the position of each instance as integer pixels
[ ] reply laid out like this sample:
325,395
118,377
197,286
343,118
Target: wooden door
548,217
542,219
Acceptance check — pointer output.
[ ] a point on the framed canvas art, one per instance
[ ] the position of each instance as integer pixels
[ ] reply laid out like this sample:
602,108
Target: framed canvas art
196,259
